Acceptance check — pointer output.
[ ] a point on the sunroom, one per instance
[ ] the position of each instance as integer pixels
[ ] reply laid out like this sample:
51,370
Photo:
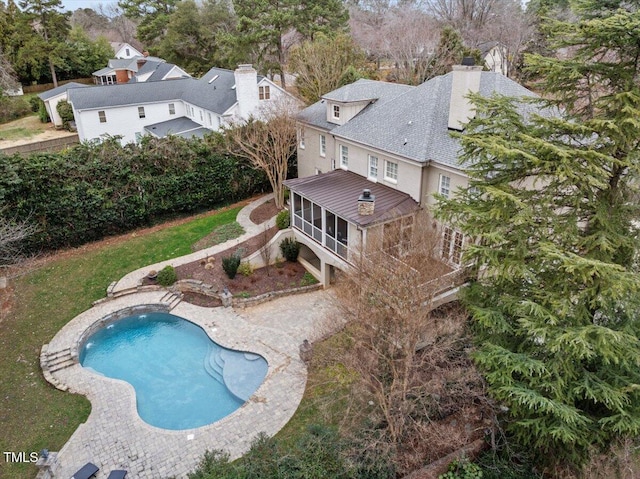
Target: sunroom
334,214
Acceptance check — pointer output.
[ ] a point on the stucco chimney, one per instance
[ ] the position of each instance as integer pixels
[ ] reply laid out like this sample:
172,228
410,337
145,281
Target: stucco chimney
465,79
246,90
366,203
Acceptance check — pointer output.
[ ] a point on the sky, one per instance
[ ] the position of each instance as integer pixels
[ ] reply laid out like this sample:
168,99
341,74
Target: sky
72,5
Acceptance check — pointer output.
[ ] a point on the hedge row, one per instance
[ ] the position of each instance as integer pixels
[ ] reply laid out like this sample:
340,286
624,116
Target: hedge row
95,190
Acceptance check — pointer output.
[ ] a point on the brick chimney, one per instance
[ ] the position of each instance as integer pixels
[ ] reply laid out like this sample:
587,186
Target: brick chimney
246,89
466,79
366,203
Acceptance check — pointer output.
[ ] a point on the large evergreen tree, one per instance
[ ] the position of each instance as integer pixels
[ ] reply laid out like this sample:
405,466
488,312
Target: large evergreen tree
269,26
154,16
197,34
553,212
51,27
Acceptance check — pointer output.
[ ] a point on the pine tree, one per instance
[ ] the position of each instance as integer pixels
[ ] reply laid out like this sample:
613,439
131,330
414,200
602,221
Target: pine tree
552,206
51,28
265,25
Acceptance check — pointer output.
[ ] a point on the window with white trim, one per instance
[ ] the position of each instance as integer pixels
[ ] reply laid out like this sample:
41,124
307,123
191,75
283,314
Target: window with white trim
323,145
172,108
336,111
344,156
264,92
373,167
444,188
201,116
390,170
141,112
301,134
452,243
103,116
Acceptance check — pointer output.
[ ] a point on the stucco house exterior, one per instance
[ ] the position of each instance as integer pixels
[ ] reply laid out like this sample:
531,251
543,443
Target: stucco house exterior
186,106
388,145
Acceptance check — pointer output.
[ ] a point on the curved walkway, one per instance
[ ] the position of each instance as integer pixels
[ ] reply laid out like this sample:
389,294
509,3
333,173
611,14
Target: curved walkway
114,436
134,279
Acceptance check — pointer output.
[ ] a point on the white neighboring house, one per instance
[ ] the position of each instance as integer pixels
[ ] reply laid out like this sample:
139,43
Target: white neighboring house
51,98
185,107
495,56
124,50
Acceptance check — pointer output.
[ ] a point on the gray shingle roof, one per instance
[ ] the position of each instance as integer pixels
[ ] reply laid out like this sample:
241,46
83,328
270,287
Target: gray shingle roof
361,90
339,190
61,89
415,124
128,94
216,96
181,126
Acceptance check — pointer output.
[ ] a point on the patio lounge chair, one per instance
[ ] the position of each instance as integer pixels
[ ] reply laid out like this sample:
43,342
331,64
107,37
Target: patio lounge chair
119,474
86,471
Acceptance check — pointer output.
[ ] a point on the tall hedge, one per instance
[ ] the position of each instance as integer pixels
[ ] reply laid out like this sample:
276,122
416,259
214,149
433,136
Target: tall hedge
95,190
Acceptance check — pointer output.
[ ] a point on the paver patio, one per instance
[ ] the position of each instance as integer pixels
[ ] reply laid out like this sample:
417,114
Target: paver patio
114,436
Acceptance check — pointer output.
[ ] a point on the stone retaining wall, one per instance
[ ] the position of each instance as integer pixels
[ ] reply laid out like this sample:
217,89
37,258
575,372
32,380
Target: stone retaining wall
199,287
55,144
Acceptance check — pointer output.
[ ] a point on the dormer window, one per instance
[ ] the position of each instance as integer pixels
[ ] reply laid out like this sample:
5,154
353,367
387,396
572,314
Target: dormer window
336,112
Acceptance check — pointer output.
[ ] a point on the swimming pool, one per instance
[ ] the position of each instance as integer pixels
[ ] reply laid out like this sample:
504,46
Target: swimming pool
182,378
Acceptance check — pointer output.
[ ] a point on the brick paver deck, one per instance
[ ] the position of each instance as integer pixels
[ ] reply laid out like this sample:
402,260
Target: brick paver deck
114,436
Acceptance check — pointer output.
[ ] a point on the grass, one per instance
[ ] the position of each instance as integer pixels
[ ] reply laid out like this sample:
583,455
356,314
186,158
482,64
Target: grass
219,235
22,128
34,415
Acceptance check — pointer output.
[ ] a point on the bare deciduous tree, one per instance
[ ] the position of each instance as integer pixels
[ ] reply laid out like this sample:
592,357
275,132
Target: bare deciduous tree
267,143
265,248
408,357
12,233
8,77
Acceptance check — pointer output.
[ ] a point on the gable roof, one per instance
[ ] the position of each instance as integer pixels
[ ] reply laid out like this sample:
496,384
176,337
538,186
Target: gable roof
127,94
361,90
61,89
338,191
215,92
414,124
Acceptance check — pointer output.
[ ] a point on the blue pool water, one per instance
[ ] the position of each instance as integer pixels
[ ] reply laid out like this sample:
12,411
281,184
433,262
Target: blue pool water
182,379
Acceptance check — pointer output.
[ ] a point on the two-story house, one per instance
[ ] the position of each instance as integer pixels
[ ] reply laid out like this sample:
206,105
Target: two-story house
372,154
184,107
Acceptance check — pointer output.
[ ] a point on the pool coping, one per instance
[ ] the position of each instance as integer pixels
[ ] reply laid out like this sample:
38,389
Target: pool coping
115,437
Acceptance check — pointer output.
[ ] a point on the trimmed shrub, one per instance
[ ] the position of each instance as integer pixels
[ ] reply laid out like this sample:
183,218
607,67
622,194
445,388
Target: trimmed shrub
245,269
290,249
283,220
34,103
167,276
12,108
308,279
65,110
230,265
91,191
43,115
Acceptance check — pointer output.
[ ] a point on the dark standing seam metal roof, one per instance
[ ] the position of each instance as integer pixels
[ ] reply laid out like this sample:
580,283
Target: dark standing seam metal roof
217,96
339,190
61,89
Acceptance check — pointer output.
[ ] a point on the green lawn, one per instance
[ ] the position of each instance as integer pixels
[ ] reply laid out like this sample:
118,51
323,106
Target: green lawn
34,415
26,127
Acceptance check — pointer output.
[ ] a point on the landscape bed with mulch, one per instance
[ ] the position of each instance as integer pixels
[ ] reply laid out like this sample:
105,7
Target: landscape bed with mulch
278,277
